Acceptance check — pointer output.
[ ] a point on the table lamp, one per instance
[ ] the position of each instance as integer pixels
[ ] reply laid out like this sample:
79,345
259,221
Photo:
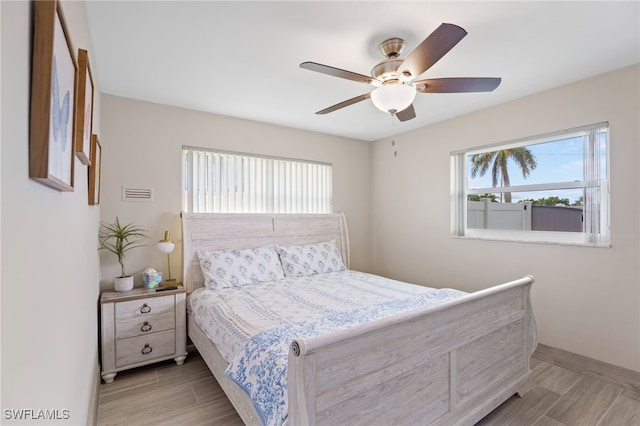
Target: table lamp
166,246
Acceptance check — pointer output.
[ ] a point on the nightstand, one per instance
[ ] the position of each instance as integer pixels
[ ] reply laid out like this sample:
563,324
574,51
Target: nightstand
140,327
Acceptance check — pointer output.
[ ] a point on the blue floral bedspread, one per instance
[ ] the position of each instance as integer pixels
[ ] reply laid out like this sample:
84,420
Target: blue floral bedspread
260,368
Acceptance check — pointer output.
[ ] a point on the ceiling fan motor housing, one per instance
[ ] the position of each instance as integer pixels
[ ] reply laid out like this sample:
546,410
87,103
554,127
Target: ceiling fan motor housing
387,70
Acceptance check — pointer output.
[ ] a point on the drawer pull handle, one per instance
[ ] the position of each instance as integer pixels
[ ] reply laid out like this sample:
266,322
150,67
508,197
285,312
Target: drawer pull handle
146,327
145,309
147,349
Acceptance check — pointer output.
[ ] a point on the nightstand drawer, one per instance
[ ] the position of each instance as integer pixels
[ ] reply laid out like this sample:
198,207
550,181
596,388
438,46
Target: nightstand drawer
143,348
145,325
144,307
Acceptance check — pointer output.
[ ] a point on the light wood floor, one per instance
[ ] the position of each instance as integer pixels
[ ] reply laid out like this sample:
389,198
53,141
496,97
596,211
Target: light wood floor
167,394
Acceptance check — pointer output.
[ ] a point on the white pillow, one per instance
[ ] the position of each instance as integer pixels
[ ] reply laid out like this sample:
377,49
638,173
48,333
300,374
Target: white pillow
302,261
234,268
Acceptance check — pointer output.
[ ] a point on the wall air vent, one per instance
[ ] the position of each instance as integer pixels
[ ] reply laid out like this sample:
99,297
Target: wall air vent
137,194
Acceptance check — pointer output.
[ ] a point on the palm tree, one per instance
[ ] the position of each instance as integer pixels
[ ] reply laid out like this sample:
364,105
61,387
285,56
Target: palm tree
498,160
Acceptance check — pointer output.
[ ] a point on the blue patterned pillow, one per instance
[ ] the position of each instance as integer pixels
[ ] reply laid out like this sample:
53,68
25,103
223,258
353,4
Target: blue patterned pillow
234,268
302,261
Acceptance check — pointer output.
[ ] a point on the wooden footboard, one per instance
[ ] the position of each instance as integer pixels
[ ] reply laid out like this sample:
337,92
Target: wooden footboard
449,364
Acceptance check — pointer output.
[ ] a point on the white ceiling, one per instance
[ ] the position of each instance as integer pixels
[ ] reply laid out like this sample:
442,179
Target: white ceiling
241,59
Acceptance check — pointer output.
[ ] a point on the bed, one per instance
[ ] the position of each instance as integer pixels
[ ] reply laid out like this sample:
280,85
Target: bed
447,363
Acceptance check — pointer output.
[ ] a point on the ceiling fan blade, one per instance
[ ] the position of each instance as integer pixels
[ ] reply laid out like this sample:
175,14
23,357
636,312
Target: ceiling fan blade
406,114
457,84
432,48
344,103
337,72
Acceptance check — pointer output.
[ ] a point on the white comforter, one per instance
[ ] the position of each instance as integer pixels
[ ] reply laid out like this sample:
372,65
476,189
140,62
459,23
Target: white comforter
230,316
253,325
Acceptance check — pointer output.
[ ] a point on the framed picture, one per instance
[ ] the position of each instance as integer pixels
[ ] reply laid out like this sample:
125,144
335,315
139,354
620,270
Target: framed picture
94,171
53,83
84,108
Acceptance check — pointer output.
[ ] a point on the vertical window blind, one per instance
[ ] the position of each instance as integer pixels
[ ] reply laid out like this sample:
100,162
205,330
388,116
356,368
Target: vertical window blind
231,182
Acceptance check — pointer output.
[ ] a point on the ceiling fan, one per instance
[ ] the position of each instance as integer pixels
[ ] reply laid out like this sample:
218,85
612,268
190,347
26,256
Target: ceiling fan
394,78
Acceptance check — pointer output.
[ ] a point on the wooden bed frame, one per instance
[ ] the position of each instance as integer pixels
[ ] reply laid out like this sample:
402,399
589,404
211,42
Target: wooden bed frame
448,364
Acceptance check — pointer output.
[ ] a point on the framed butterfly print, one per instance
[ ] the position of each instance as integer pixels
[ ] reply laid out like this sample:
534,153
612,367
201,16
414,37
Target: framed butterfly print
94,171
84,108
53,84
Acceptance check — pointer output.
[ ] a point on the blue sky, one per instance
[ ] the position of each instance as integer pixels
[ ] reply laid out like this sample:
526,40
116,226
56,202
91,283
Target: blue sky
558,161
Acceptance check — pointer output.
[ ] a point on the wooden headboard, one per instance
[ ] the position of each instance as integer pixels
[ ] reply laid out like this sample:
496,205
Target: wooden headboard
221,231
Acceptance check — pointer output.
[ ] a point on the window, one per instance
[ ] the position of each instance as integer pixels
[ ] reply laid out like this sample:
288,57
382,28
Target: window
231,182
549,188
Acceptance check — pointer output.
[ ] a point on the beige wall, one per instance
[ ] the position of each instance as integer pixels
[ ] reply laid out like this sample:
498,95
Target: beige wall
587,300
50,265
142,146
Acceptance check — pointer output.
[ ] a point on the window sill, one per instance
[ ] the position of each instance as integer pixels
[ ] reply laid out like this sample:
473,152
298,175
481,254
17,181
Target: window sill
548,238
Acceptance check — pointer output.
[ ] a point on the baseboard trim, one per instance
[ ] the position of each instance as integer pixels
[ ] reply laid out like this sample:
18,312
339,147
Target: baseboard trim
619,376
94,399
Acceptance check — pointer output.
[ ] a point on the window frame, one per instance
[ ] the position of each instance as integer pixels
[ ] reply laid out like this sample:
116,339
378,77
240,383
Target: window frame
460,191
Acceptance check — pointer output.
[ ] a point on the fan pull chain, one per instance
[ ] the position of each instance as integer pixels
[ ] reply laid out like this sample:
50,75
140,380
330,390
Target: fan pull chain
393,136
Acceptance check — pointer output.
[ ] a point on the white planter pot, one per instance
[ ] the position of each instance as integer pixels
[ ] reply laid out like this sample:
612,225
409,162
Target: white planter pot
123,283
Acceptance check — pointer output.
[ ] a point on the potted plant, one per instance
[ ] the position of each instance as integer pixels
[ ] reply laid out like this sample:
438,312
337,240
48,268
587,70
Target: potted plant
119,239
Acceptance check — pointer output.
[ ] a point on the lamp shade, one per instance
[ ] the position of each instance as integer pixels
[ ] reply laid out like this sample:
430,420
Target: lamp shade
393,97
166,246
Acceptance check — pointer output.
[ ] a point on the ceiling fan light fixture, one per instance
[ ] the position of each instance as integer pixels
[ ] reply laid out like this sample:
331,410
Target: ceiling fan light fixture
393,97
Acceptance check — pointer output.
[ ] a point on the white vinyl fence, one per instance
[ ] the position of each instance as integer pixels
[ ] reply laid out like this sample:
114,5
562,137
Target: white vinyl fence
487,215
523,216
